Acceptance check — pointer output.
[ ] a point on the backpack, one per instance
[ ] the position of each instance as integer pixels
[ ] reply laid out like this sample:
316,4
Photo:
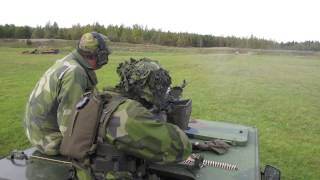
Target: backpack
90,119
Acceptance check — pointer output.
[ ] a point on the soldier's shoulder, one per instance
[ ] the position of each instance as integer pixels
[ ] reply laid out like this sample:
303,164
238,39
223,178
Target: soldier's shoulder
72,68
133,104
76,69
134,108
68,66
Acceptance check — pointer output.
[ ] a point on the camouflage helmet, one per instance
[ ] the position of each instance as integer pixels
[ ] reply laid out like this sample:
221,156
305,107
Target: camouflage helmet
144,80
94,43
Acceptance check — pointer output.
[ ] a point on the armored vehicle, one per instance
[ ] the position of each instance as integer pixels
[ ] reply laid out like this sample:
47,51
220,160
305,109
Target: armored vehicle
241,162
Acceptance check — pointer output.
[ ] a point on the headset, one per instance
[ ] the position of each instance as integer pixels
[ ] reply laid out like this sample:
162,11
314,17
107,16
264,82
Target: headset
102,51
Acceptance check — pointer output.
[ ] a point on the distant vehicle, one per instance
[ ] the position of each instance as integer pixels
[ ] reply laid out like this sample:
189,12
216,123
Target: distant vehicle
42,51
244,155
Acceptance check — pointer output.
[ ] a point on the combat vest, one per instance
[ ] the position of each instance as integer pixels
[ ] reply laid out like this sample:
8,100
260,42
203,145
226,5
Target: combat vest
84,141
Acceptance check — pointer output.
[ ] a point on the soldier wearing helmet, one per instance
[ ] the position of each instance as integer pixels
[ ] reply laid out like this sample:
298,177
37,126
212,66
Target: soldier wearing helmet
50,105
145,81
135,127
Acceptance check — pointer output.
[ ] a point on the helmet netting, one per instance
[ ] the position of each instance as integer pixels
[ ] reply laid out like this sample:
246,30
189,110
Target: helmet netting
136,75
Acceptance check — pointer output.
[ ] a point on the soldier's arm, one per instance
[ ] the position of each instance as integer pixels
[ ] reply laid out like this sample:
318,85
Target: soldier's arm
73,85
152,140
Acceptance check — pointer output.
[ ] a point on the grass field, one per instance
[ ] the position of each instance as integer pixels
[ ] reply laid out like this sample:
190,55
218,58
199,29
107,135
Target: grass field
278,94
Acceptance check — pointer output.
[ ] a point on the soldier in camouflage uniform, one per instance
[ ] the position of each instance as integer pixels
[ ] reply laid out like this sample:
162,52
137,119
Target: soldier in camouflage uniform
52,100
137,127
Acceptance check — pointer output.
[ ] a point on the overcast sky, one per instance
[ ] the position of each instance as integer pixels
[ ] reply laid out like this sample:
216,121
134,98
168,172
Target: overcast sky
281,20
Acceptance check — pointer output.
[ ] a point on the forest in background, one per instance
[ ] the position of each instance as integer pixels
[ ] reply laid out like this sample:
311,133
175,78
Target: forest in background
140,34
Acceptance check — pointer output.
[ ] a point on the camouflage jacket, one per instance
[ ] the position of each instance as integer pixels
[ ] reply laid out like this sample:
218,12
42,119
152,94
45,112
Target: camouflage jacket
52,100
136,131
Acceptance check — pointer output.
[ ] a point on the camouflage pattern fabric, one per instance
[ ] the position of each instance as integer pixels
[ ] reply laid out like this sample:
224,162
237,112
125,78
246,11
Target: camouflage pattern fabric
144,79
89,44
52,100
134,130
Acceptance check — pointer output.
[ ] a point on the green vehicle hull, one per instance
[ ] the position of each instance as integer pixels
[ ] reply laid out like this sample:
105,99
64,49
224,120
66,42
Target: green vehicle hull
244,153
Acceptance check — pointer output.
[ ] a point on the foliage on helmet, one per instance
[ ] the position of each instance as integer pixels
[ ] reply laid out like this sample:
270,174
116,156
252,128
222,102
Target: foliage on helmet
137,75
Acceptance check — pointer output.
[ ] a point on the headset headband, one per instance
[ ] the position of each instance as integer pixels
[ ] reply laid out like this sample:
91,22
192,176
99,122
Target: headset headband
101,42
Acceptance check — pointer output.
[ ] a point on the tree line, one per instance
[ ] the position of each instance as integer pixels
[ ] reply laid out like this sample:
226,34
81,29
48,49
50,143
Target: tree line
141,34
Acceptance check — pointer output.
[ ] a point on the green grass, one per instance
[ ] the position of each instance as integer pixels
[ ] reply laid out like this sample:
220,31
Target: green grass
278,94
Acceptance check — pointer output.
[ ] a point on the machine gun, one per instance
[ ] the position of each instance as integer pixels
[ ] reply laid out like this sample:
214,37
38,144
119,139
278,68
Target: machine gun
178,110
187,170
